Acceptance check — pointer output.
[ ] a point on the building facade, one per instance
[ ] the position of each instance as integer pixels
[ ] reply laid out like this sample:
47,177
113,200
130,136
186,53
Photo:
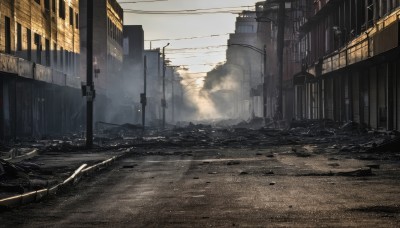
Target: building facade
39,62
247,63
107,57
350,56
154,85
280,64
133,69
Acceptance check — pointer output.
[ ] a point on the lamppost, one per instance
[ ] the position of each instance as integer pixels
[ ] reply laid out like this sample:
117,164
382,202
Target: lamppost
163,101
264,53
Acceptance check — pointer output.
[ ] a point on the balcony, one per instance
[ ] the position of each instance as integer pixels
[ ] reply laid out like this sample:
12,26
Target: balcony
381,38
26,69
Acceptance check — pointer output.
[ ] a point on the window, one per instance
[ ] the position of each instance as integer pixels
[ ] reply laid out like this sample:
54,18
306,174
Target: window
7,31
61,9
53,6
19,37
77,21
54,54
61,59
47,5
29,41
37,1
47,44
71,16
38,44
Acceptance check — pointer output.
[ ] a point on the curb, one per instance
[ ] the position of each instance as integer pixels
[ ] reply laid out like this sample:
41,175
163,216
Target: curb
15,158
36,196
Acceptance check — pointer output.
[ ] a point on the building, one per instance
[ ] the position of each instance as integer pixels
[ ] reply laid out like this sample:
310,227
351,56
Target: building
248,64
154,85
350,56
133,71
278,91
108,57
39,62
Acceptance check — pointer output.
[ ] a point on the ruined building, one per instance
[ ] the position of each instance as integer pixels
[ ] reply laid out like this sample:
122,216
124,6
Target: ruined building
349,50
133,71
108,58
154,84
243,60
39,80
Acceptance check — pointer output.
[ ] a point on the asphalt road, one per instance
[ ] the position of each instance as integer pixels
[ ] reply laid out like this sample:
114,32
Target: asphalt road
225,188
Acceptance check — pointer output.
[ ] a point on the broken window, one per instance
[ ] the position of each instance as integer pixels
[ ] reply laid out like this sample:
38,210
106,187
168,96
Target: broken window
61,9
77,21
29,43
71,16
47,5
19,37
47,44
7,32
38,44
53,6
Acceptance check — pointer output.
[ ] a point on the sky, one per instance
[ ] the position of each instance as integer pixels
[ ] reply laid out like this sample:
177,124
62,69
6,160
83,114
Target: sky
171,26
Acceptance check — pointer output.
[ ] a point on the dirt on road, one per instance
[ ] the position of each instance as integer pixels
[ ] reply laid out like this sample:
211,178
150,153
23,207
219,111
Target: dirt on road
277,186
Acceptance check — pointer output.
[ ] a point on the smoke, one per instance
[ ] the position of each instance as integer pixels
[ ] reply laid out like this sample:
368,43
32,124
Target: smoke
202,106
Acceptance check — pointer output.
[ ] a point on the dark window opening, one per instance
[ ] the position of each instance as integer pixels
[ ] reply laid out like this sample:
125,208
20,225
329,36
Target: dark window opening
47,44
7,31
53,6
54,54
61,59
38,44
47,5
76,21
71,16
19,37
61,9
29,42
37,1
370,13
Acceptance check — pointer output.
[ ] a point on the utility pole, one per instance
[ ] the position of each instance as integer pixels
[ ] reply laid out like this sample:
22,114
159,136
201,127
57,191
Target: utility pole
143,96
173,99
280,47
265,85
163,101
89,90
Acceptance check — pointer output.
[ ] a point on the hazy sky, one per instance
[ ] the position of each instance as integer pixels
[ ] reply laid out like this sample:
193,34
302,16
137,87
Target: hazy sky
183,26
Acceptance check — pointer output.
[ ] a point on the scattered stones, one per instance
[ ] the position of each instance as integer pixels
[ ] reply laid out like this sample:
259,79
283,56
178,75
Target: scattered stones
233,163
270,172
374,166
334,164
272,183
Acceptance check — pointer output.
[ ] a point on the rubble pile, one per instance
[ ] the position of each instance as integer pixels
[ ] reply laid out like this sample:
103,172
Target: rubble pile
18,178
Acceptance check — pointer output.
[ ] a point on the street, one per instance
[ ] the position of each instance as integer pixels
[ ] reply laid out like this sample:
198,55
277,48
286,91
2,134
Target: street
272,187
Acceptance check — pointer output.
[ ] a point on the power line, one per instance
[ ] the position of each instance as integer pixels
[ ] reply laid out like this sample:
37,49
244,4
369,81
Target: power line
146,1
232,10
196,48
189,38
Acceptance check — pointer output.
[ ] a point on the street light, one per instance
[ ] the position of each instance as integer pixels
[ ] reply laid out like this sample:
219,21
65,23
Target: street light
163,101
264,53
